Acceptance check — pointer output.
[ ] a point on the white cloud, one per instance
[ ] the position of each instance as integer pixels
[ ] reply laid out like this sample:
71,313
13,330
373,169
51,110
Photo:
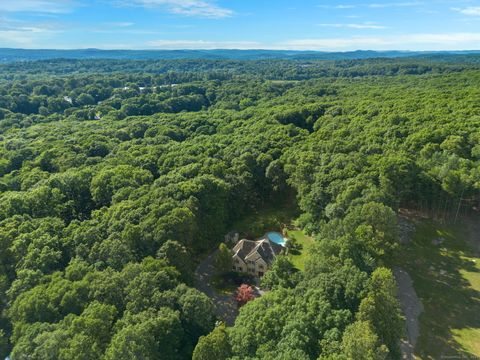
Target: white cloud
40,6
345,6
198,8
472,10
423,41
333,44
355,26
374,5
419,42
17,33
395,4
119,24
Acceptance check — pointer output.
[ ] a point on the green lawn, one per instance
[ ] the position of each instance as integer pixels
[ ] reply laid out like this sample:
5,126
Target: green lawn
447,279
306,241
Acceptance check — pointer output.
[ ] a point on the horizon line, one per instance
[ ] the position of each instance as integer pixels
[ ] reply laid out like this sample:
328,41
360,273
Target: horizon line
240,49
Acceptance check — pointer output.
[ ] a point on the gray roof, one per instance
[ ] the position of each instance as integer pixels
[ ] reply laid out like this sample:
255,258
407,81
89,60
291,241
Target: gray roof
265,249
268,250
244,247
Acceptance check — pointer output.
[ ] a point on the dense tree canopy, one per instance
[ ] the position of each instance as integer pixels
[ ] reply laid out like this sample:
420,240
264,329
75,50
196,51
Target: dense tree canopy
116,177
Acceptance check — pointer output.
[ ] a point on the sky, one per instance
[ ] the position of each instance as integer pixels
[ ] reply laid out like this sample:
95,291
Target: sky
325,25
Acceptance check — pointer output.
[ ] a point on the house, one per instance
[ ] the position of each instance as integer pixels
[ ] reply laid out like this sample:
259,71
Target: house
254,257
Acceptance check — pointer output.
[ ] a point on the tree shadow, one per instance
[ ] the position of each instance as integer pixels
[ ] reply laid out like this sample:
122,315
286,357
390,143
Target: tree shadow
294,251
449,300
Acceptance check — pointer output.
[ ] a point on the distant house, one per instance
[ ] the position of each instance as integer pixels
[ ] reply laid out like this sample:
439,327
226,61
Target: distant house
254,257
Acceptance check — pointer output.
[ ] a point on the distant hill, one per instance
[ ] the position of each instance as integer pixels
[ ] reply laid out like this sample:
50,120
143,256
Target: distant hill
12,55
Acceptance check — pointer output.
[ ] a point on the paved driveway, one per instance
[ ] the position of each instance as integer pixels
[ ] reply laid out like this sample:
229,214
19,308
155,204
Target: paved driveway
225,305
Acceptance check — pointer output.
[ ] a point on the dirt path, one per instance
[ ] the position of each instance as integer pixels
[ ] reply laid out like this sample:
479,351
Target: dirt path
225,305
411,308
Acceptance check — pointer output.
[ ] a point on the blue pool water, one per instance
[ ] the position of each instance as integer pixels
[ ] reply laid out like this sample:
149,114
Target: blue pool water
276,238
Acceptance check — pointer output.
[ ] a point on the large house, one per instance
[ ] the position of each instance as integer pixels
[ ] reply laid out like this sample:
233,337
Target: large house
254,257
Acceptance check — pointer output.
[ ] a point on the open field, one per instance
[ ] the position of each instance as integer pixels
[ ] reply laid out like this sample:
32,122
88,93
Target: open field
446,276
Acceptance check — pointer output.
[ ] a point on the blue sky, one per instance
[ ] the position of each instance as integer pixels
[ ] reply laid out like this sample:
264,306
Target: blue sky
326,25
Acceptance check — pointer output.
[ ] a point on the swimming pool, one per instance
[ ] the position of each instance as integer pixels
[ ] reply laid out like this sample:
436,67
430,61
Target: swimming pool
276,237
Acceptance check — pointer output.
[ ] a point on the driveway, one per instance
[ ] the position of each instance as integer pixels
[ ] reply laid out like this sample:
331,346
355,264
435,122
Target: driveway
225,305
411,308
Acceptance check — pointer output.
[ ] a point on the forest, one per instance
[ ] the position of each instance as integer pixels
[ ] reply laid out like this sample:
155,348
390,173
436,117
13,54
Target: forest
117,176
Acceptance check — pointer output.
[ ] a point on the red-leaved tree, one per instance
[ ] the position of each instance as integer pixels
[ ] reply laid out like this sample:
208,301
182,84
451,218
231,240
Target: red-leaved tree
244,294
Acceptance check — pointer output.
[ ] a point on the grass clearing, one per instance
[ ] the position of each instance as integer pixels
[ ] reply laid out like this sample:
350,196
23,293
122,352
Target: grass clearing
306,242
447,280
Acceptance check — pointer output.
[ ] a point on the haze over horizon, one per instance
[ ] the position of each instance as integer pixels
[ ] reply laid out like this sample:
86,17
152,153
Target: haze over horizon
328,25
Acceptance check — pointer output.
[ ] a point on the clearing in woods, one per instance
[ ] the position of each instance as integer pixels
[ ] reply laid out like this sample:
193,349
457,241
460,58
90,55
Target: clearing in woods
445,270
